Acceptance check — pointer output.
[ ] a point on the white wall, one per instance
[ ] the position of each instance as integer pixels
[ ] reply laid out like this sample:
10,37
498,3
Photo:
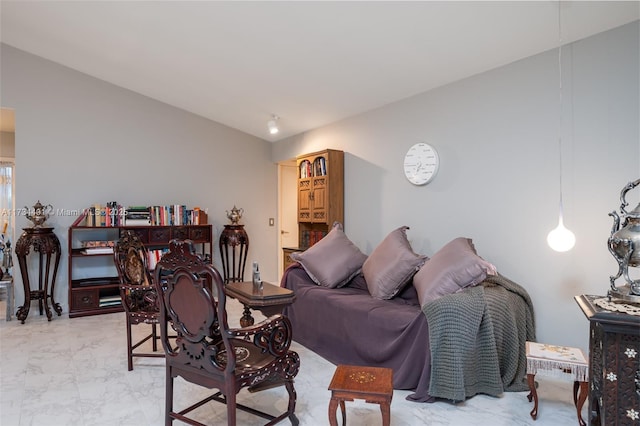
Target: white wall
80,141
497,136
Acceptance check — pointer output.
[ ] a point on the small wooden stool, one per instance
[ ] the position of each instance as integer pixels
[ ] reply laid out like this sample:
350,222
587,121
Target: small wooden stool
558,359
373,384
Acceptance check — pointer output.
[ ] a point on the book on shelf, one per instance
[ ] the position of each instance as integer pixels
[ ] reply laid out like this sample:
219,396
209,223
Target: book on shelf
137,222
97,250
97,243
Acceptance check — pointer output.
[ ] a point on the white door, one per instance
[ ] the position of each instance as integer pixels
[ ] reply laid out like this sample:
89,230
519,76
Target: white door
288,220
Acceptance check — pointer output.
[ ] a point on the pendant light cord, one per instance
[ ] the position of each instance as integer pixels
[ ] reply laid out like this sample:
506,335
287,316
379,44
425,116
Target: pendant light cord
561,101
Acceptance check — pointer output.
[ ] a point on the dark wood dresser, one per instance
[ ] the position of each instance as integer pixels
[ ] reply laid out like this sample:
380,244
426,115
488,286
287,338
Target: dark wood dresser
614,364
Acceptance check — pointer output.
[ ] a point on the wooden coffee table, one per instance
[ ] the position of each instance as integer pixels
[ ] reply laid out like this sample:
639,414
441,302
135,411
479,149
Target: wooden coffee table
270,300
373,384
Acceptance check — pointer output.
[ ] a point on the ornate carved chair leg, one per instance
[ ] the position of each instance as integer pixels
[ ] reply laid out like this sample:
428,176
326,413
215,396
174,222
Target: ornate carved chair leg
129,350
292,402
168,420
230,397
154,336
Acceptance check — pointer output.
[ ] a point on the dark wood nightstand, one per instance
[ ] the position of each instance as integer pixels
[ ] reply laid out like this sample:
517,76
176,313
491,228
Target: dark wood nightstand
614,364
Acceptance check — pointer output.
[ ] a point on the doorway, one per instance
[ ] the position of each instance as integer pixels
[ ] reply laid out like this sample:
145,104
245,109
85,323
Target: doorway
7,173
287,209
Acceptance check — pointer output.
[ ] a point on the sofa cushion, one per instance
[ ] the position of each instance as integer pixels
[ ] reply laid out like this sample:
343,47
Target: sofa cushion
332,261
452,268
391,265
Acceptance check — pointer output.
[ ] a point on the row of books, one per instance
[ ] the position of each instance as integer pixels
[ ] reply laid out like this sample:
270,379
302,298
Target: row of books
309,238
154,256
177,215
111,214
114,214
318,168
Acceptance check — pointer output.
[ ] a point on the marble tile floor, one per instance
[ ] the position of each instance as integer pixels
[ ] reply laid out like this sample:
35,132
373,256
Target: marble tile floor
74,372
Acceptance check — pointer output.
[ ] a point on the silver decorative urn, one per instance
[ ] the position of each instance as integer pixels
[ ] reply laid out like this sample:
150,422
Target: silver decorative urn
38,214
235,215
624,245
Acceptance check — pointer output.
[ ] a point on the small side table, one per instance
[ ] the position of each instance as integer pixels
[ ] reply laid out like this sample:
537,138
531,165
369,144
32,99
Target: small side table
270,300
6,282
45,242
373,384
553,359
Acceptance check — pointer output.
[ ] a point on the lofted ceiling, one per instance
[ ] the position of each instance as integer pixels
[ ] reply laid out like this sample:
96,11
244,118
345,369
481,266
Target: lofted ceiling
311,63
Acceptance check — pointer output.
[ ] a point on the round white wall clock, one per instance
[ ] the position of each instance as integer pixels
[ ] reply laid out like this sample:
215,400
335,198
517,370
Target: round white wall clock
421,163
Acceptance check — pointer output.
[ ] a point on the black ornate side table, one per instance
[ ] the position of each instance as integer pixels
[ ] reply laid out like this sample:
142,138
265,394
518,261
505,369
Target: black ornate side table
614,361
43,241
234,246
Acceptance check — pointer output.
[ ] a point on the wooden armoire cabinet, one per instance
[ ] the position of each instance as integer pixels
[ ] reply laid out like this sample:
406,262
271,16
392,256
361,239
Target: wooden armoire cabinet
320,194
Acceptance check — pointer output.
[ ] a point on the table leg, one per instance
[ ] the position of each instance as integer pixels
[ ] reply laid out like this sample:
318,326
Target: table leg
55,305
533,394
333,406
579,398
45,292
9,288
247,319
386,413
23,311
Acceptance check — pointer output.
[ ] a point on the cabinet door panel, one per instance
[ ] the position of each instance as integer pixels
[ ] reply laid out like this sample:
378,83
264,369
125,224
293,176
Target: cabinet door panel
304,200
85,299
319,211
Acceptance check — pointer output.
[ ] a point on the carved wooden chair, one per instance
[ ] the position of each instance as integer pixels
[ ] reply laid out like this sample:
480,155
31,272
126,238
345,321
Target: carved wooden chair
207,351
139,296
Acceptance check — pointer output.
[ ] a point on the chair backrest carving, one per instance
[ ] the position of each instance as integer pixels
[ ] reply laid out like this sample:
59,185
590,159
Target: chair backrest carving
184,283
130,257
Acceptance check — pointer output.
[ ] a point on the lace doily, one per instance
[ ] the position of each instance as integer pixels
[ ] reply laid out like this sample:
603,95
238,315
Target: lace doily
626,308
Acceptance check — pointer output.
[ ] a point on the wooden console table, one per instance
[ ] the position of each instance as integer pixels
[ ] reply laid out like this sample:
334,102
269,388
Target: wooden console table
270,300
45,242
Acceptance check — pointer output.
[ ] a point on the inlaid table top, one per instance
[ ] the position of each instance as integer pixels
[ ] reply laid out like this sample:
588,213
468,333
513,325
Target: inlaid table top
270,294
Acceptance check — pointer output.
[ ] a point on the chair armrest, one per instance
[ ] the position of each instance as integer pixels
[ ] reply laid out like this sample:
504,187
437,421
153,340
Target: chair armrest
137,297
271,335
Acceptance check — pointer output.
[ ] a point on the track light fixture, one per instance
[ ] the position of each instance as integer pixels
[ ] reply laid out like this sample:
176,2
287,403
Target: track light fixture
273,124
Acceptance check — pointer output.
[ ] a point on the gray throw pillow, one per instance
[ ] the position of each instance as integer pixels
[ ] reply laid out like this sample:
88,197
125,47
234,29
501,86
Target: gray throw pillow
391,265
451,269
332,261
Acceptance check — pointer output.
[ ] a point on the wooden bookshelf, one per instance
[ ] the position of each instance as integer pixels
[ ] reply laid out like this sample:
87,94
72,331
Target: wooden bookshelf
93,278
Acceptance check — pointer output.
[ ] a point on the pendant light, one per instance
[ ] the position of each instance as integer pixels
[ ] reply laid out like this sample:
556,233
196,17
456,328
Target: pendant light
560,239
